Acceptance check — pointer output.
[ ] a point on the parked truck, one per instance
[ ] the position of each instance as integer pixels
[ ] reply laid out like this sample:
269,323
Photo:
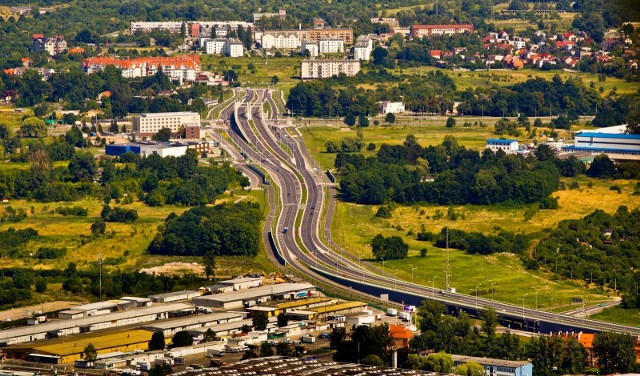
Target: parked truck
308,339
392,312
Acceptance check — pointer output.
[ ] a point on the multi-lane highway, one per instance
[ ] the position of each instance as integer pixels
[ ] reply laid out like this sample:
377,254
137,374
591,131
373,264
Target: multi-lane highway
300,221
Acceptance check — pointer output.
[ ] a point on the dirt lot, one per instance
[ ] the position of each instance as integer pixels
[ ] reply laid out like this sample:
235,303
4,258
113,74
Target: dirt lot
18,313
176,268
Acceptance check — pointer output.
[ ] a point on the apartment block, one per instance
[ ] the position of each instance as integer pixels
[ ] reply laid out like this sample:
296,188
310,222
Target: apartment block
314,69
151,123
419,31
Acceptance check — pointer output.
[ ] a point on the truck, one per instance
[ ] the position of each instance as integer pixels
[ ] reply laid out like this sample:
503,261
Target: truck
144,366
404,316
308,339
392,312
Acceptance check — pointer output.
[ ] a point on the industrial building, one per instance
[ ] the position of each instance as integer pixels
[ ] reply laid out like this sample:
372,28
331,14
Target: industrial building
147,148
339,309
612,141
387,107
263,294
497,367
174,296
171,327
277,365
68,350
508,146
308,303
60,328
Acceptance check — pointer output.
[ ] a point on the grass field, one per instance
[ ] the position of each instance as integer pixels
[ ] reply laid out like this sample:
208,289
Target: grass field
129,241
286,68
620,316
316,136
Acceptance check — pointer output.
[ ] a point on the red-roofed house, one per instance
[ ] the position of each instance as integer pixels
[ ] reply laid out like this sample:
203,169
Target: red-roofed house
436,54
401,335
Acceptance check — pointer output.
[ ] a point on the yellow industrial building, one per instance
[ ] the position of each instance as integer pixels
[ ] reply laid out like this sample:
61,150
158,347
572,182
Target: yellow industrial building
70,349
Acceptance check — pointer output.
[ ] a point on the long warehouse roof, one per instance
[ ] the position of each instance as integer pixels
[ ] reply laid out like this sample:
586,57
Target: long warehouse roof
66,324
256,292
191,320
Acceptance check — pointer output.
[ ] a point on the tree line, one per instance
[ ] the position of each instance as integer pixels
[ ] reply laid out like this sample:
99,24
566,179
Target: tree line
402,173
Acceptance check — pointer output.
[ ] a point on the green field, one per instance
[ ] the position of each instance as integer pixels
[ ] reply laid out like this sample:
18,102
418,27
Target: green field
621,316
286,68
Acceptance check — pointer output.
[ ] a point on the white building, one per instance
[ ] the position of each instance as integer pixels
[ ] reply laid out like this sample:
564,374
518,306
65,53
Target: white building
331,46
284,40
387,107
311,46
233,48
179,68
263,294
612,141
242,283
497,367
153,122
508,146
218,29
174,296
214,46
363,47
313,69
146,27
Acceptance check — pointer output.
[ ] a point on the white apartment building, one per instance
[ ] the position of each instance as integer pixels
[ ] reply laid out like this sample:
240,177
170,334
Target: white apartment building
285,40
508,146
331,46
151,123
146,27
311,46
179,68
314,69
233,48
363,48
214,46
219,29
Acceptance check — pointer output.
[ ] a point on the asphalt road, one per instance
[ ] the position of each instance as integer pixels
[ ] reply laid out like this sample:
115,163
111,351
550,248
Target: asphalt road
305,192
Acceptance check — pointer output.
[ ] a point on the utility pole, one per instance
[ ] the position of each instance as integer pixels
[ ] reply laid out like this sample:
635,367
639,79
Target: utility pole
412,269
492,283
477,295
446,272
433,286
100,267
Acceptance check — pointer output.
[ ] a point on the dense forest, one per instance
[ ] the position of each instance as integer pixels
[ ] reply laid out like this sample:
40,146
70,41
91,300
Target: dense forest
600,248
225,229
401,173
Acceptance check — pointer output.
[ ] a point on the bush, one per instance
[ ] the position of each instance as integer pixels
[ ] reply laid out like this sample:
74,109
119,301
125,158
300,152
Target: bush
118,214
549,203
45,253
383,212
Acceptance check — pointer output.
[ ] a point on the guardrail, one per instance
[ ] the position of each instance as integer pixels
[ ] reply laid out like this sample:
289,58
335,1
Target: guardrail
277,253
258,171
331,176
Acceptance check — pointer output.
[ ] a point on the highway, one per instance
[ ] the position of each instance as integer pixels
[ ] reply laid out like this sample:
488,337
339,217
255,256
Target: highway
296,222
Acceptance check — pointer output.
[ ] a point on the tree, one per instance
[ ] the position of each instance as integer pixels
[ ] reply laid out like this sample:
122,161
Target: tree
285,349
363,121
602,167
615,352
210,335
266,349
390,248
439,362
470,369
260,320
82,167
98,228
379,55
209,261
90,354
33,127
163,135
350,120
373,360
489,322
41,285
275,79
161,370
390,118
74,137
182,339
157,341
283,320
451,122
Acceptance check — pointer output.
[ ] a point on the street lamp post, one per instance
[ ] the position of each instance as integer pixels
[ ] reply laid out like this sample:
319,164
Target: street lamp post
477,294
412,269
535,288
523,296
433,284
492,283
395,278
360,264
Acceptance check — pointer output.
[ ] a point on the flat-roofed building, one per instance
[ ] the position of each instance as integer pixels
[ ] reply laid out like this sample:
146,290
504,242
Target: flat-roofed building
339,309
151,123
242,283
497,367
174,296
612,141
292,39
314,69
363,48
331,46
311,46
282,13
392,22
261,294
171,327
419,31
387,107
507,146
